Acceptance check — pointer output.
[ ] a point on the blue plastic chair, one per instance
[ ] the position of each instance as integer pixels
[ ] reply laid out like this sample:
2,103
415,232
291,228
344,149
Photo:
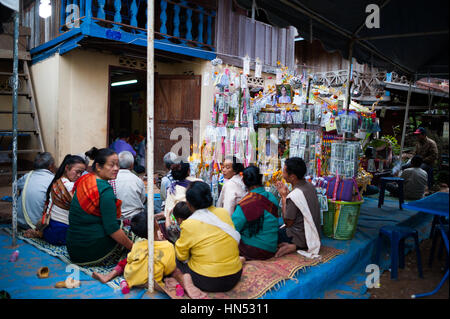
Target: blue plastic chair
397,236
383,182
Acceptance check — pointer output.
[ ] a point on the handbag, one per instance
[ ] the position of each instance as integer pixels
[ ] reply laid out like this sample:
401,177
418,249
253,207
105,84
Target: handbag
342,189
46,214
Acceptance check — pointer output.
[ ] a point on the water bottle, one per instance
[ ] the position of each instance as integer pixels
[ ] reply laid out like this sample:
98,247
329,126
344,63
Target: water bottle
124,287
14,256
179,290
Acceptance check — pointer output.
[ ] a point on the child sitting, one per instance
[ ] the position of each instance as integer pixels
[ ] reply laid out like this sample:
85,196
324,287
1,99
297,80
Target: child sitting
135,266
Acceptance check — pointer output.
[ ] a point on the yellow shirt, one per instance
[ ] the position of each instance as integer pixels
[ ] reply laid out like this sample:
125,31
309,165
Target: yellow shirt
136,269
211,251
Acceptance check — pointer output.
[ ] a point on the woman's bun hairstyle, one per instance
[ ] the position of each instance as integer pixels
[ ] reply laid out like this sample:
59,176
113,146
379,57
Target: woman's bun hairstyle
252,176
92,153
199,195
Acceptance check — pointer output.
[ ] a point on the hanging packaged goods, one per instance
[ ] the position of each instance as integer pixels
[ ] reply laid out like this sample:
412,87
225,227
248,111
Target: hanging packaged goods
290,117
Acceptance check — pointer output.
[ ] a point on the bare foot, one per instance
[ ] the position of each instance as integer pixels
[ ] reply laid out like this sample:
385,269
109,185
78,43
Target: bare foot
170,282
31,233
282,244
286,249
104,278
242,259
192,291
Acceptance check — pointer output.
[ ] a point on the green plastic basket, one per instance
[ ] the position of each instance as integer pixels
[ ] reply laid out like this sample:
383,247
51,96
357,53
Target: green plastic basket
340,221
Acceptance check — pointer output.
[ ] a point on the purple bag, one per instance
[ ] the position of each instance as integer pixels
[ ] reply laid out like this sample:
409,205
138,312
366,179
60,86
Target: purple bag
342,189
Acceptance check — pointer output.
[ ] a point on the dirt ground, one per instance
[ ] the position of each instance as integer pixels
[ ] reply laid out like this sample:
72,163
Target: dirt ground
408,282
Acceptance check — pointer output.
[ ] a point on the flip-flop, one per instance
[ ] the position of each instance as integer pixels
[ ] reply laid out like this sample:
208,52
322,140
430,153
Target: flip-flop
43,272
68,283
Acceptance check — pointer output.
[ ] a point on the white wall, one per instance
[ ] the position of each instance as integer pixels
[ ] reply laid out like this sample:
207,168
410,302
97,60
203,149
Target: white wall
72,98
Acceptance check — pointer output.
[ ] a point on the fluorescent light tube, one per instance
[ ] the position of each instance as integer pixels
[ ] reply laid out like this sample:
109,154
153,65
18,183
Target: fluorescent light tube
123,83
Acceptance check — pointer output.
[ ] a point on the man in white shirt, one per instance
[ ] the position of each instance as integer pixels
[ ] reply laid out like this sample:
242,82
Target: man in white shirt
416,180
130,188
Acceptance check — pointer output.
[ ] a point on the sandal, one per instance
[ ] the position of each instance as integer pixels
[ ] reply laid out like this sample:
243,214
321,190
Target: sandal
68,283
43,272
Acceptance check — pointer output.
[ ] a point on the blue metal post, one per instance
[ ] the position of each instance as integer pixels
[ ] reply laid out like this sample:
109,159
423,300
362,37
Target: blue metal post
14,123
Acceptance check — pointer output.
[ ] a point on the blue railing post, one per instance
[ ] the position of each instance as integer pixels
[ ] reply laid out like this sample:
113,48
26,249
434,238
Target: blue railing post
82,3
117,15
209,29
134,11
101,10
62,14
188,22
163,17
200,25
88,10
176,21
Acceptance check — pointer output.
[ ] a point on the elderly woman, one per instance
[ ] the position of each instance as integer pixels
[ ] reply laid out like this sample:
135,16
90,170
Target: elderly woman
94,230
234,189
207,250
256,218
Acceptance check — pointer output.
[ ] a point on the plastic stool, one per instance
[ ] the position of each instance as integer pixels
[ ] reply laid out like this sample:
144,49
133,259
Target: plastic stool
383,182
397,236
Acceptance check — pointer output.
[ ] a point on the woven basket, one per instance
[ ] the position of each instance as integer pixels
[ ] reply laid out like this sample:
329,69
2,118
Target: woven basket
340,221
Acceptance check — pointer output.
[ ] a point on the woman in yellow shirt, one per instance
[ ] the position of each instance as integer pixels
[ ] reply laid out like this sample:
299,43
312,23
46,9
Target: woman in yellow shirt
207,251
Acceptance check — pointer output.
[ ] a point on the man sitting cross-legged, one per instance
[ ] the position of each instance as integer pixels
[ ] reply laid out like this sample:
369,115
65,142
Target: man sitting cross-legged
301,212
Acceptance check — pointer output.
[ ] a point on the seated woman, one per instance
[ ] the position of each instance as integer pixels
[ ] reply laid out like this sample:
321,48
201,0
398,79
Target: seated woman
207,251
94,231
234,189
57,202
59,197
256,218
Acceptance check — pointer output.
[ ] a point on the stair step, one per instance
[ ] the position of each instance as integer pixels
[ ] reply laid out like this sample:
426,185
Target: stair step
10,173
10,73
11,93
18,131
18,112
20,151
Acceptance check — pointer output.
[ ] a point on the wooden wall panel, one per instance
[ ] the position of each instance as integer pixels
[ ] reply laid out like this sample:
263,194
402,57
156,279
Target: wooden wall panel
260,41
267,46
238,36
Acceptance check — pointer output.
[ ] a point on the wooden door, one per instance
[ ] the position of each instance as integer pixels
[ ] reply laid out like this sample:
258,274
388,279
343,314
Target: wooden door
177,104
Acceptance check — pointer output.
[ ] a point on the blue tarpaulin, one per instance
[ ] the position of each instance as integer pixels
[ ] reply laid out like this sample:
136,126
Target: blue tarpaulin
342,277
